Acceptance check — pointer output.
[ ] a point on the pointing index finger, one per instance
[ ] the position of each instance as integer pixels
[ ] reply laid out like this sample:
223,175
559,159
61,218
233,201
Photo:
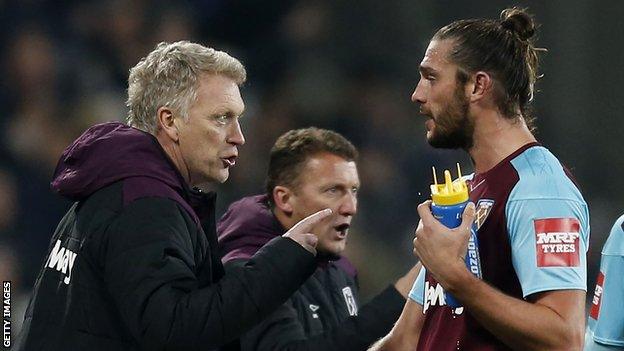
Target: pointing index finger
310,221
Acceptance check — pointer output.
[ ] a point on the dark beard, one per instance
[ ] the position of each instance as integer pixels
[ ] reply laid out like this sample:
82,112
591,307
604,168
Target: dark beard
453,129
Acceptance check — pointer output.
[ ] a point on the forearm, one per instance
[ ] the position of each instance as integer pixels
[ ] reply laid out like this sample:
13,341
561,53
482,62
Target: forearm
393,342
519,324
249,293
169,309
373,321
405,333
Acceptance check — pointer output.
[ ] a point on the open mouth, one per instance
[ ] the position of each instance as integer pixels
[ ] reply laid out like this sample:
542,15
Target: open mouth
429,124
229,161
342,229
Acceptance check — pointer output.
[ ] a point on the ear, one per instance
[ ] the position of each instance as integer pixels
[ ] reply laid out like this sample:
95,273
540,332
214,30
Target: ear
167,123
480,86
283,199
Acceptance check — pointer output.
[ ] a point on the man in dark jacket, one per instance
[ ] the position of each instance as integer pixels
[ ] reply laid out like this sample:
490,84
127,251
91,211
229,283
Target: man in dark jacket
311,169
133,264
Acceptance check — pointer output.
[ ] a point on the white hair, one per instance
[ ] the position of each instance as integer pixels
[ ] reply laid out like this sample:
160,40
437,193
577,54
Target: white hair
168,77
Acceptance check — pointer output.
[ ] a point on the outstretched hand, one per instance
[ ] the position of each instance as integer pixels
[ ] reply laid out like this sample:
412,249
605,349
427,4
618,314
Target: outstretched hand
300,232
440,249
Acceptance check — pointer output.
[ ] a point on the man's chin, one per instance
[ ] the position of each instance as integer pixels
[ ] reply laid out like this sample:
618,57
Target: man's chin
209,181
221,176
448,142
327,256
331,252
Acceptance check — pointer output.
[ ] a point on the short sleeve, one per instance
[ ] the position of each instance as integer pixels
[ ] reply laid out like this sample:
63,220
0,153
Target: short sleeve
548,225
418,289
548,240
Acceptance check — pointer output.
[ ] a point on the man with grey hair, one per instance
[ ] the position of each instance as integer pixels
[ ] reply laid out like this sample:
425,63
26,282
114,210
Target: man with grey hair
132,265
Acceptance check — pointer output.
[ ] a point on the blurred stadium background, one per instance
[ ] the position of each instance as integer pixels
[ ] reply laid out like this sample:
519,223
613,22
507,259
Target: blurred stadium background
346,65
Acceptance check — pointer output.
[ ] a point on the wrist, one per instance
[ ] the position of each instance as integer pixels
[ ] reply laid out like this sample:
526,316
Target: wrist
459,278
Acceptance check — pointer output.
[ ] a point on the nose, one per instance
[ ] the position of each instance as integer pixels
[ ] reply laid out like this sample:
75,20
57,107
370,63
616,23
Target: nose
235,135
419,93
348,207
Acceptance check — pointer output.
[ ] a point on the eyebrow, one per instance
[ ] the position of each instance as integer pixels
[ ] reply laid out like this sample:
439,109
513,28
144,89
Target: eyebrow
229,112
426,70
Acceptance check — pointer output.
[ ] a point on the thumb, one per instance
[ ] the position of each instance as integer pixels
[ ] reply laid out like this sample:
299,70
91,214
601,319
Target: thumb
311,239
468,217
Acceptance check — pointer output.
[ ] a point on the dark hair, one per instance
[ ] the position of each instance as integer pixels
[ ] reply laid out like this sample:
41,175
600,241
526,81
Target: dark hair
295,147
503,48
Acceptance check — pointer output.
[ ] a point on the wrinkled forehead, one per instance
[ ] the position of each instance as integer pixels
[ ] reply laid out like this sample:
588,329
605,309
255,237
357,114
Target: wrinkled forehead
327,166
220,93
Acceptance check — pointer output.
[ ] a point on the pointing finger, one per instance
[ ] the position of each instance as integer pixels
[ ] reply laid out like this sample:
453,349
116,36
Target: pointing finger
306,224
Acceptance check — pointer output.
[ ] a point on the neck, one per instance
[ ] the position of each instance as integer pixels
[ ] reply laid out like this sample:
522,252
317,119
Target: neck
495,138
173,151
286,221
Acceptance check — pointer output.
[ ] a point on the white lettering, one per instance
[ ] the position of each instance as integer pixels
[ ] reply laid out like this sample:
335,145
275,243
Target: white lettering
62,260
433,296
597,294
55,255
6,333
558,248
556,238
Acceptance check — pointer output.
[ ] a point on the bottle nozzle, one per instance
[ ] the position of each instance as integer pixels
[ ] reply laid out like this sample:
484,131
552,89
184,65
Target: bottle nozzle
448,182
449,192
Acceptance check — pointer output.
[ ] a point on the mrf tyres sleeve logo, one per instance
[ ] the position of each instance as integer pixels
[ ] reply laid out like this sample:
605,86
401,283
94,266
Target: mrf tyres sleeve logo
557,242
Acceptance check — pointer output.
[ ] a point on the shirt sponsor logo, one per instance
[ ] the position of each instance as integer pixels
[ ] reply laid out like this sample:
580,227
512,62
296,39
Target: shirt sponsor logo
62,259
484,207
434,296
350,300
557,242
595,307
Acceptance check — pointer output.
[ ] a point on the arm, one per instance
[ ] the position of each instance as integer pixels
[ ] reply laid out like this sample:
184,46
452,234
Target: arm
150,269
284,330
405,283
551,320
406,332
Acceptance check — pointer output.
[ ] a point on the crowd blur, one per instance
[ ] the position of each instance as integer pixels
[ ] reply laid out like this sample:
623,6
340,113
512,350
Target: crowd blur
350,66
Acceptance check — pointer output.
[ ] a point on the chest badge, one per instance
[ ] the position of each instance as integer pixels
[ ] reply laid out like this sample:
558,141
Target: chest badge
314,308
350,300
484,206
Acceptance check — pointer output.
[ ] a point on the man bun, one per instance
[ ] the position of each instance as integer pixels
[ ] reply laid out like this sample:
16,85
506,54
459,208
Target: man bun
519,22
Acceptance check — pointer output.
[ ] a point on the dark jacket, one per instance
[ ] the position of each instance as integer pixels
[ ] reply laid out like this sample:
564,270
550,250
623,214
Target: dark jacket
324,313
133,264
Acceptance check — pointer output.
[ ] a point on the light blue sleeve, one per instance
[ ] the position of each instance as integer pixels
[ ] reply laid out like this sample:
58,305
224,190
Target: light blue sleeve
591,345
418,289
544,193
608,328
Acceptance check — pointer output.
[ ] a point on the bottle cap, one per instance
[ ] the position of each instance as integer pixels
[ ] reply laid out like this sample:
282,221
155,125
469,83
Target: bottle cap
451,192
